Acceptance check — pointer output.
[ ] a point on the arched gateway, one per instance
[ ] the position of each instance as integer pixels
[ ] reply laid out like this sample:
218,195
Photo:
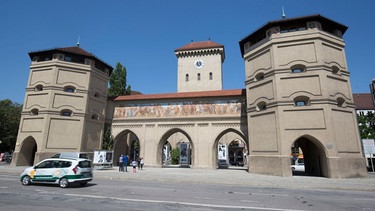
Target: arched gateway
216,117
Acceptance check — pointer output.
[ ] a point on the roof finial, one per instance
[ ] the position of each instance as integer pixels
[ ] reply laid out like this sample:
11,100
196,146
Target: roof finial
283,15
78,40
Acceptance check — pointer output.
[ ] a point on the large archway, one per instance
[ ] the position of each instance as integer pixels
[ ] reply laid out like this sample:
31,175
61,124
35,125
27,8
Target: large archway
169,148
313,154
27,152
237,146
126,143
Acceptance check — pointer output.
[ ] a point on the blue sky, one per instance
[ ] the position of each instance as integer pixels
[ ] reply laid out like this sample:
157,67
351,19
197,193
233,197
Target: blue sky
143,34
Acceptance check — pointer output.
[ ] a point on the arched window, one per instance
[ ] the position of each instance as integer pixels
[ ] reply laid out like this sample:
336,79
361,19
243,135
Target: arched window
335,70
210,76
187,77
199,76
95,116
34,111
66,112
39,88
301,101
69,89
261,106
298,68
259,76
340,102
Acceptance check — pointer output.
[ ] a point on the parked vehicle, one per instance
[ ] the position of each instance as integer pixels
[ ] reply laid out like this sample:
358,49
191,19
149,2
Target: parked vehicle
298,167
222,164
72,155
62,171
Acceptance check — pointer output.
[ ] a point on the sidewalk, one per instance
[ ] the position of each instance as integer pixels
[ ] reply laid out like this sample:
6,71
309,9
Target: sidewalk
225,176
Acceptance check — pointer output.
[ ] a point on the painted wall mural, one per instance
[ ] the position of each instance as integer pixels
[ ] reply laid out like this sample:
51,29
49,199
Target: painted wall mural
181,109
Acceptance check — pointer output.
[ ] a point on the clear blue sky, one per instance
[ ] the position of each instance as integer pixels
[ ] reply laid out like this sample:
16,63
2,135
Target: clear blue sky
143,34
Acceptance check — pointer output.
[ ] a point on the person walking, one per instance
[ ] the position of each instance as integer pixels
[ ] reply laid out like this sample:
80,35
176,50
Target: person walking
134,164
142,162
120,164
125,159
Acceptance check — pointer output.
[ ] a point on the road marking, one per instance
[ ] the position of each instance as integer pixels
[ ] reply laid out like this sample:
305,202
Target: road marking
259,194
181,203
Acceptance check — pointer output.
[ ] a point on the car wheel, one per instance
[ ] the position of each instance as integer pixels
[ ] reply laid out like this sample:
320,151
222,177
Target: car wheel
26,180
63,183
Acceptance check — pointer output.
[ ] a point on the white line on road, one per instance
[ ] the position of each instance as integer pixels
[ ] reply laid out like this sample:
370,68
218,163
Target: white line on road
180,203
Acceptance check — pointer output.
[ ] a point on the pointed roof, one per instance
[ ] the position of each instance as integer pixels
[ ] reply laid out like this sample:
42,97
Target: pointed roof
75,50
200,45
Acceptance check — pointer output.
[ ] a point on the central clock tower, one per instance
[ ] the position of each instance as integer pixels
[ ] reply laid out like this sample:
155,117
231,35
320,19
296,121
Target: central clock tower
200,66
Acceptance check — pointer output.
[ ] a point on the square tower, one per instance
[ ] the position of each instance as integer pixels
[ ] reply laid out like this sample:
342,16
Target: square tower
200,66
299,98
64,106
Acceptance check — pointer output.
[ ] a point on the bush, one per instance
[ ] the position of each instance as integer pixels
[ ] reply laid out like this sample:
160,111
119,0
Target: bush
175,156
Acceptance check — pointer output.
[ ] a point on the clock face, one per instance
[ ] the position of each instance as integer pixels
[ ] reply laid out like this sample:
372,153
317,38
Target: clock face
198,63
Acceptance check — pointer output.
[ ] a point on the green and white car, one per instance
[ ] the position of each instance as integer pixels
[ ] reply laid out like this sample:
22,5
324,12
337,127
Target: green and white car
62,171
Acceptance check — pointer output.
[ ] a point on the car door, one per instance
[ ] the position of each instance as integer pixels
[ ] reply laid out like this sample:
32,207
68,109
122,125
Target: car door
43,172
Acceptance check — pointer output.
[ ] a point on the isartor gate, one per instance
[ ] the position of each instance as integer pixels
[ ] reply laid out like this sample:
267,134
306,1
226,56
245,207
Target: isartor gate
149,129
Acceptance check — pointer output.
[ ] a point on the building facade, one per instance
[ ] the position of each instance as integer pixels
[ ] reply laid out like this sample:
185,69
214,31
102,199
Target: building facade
64,106
297,98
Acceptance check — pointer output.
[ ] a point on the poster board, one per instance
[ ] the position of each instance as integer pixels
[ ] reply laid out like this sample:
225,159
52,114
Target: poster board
103,157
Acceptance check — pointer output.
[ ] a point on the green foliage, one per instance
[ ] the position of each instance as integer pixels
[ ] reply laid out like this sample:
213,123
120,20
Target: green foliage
117,82
175,156
366,125
10,115
107,138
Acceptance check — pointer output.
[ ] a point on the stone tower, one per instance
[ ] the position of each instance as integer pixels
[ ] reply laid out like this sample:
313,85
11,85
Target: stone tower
200,66
64,106
299,98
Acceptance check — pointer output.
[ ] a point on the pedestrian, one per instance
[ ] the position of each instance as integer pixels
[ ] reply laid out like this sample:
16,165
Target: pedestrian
142,162
134,164
125,159
139,163
120,164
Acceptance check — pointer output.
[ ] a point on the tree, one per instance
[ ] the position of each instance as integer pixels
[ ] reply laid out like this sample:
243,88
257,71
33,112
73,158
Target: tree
366,125
118,86
107,137
117,82
10,115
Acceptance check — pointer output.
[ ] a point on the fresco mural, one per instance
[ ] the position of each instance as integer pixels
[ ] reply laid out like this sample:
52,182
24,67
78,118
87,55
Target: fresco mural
181,109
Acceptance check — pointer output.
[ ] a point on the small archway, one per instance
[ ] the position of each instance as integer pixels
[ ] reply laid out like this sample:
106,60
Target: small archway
171,141
27,152
126,143
313,154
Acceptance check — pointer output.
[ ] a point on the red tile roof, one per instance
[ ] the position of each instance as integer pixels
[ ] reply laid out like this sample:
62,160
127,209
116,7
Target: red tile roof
181,95
363,101
199,45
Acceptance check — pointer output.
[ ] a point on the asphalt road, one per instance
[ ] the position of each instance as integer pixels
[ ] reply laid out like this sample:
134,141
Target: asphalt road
128,191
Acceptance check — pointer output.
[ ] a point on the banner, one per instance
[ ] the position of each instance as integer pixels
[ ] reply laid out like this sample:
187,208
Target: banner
184,153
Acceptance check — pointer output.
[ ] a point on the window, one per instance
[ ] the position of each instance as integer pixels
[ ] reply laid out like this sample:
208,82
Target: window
187,77
68,58
210,76
335,70
261,106
259,76
34,111
95,116
199,76
39,88
301,101
97,95
340,102
66,113
298,69
69,89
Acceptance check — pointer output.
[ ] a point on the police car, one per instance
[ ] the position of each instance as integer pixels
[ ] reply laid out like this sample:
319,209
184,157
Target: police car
61,171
